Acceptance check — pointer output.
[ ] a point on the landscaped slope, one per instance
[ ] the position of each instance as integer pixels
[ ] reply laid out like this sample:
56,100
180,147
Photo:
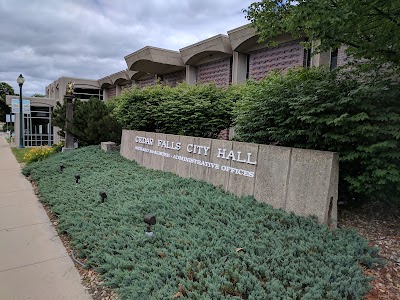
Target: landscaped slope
207,244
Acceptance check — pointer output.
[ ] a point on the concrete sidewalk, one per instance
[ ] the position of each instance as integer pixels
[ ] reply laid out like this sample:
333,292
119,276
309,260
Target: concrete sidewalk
33,261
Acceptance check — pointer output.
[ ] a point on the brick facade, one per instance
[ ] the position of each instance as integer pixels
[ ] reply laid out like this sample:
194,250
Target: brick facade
126,86
218,72
286,55
111,92
173,78
146,82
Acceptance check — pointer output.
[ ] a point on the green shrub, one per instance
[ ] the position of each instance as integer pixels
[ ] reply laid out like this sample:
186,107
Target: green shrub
318,109
195,110
93,122
136,108
212,244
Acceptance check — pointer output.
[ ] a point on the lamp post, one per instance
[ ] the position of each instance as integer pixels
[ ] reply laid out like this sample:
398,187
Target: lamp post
20,81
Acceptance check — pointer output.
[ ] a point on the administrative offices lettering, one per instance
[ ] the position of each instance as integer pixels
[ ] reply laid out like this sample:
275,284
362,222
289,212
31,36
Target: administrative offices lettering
200,150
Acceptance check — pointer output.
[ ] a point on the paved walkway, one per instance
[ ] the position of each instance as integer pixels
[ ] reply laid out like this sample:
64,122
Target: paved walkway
33,261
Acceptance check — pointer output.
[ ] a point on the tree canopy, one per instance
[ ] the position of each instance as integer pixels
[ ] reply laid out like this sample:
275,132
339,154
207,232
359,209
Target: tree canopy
370,28
5,89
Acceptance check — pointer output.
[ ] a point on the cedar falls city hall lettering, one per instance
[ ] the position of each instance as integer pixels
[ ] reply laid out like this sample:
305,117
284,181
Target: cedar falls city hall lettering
201,151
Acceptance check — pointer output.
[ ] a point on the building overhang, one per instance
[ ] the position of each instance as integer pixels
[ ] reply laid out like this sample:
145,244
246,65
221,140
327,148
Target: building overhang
141,75
35,101
81,83
105,82
244,39
61,83
120,77
155,61
218,45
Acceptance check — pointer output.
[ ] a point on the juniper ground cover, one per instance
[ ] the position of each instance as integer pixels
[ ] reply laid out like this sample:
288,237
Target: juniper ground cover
207,244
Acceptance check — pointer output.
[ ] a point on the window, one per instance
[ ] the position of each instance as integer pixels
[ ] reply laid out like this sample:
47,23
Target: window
307,58
86,94
248,66
334,59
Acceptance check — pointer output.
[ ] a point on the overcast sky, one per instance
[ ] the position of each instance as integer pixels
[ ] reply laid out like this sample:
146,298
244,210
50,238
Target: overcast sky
45,39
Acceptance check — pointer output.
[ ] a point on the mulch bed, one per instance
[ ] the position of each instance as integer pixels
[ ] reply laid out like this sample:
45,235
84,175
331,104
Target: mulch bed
379,223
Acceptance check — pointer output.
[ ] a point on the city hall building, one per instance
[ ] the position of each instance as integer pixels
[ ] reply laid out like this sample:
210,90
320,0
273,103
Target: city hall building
221,60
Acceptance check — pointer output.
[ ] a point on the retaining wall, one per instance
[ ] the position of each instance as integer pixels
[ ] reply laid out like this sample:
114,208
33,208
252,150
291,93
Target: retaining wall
297,180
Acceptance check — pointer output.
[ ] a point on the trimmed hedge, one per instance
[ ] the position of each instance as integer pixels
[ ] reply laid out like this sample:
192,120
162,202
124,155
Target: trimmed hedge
319,109
207,244
195,110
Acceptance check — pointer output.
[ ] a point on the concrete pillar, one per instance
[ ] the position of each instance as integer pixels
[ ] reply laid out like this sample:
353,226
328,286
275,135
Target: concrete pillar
69,139
320,59
239,67
191,74
117,90
62,85
16,129
104,95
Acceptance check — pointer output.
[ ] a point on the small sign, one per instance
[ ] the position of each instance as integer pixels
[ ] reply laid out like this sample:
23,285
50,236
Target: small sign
15,106
8,118
26,106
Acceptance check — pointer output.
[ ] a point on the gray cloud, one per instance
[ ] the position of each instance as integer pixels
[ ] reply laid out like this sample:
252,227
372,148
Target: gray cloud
45,39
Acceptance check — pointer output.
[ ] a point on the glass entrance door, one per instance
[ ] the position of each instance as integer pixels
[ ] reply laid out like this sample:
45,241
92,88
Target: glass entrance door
38,130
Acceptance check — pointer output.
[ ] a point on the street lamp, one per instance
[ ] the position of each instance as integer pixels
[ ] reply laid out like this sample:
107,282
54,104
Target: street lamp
20,81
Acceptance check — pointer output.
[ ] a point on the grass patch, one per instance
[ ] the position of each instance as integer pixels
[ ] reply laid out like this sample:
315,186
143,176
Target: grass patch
207,244
19,153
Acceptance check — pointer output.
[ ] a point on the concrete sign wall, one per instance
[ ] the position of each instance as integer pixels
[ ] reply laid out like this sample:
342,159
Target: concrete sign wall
301,181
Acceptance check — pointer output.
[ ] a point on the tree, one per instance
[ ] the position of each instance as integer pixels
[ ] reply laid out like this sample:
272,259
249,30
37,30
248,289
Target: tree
92,124
37,95
370,28
5,89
